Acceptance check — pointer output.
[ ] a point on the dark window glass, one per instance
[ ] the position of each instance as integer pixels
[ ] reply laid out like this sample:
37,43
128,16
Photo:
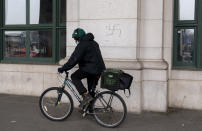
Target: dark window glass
63,44
15,12
41,11
40,43
185,45
63,11
15,43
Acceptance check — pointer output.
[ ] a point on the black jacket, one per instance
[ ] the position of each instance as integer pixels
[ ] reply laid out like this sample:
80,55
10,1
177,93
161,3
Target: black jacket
87,55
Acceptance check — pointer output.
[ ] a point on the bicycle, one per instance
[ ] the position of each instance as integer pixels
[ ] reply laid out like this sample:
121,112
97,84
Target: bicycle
107,107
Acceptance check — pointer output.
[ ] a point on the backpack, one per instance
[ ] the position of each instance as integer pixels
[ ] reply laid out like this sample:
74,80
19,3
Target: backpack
114,80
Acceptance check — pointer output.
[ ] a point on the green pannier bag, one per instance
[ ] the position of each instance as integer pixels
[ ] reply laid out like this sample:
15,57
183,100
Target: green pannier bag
110,79
115,79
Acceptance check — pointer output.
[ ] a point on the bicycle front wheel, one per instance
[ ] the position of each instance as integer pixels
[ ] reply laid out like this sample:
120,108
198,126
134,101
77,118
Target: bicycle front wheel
109,109
56,104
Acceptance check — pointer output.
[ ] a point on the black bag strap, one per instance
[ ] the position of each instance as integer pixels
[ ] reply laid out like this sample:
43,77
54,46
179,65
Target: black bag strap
128,92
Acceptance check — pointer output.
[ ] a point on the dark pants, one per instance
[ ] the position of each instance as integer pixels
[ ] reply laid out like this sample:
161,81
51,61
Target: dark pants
92,81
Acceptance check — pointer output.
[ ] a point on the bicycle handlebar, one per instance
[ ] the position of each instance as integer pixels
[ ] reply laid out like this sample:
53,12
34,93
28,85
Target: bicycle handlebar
67,73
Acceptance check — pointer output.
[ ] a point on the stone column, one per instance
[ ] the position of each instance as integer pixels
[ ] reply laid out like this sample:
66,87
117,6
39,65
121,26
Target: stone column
150,54
130,35
72,24
114,24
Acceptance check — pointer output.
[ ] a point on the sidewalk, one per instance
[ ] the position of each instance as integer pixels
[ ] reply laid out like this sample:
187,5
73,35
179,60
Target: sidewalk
21,113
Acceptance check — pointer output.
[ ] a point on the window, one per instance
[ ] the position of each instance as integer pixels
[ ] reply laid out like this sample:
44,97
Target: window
186,10
32,31
187,45
15,8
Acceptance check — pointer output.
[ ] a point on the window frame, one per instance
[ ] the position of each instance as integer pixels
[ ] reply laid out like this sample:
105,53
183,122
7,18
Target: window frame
176,14
54,27
1,25
179,63
59,29
59,14
188,24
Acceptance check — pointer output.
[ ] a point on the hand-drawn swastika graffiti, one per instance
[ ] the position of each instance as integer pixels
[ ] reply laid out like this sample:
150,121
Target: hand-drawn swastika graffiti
113,33
113,30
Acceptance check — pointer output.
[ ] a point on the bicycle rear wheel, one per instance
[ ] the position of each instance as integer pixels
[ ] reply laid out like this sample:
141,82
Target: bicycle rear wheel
56,104
109,109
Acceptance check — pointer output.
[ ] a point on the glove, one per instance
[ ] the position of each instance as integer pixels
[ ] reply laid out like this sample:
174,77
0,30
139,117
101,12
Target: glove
60,70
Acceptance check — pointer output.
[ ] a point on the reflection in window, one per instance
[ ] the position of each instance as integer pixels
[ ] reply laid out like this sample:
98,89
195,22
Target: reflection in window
63,44
15,43
15,12
185,46
186,9
40,44
41,11
63,11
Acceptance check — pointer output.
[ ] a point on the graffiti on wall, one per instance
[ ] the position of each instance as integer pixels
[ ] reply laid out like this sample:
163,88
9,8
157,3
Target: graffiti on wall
113,33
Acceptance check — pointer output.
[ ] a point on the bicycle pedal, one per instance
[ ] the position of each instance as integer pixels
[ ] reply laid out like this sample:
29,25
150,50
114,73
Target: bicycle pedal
84,114
89,113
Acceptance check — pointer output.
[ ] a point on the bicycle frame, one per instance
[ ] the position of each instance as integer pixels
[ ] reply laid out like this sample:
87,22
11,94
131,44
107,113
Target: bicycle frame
67,82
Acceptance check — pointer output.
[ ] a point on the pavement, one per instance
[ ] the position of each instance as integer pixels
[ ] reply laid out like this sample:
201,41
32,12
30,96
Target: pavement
22,113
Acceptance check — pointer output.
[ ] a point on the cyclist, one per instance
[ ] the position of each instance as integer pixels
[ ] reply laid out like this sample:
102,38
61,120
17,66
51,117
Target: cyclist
88,56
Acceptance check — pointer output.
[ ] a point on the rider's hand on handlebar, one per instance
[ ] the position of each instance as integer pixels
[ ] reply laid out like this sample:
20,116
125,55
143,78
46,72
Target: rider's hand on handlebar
60,70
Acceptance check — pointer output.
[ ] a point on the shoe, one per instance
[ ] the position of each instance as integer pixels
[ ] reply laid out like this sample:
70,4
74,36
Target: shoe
86,100
90,107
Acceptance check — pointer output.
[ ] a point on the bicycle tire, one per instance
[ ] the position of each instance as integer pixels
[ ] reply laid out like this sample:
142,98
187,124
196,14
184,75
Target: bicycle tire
97,112
44,109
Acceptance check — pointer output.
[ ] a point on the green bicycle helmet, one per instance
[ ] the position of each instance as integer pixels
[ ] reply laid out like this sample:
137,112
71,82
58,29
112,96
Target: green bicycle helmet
78,33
